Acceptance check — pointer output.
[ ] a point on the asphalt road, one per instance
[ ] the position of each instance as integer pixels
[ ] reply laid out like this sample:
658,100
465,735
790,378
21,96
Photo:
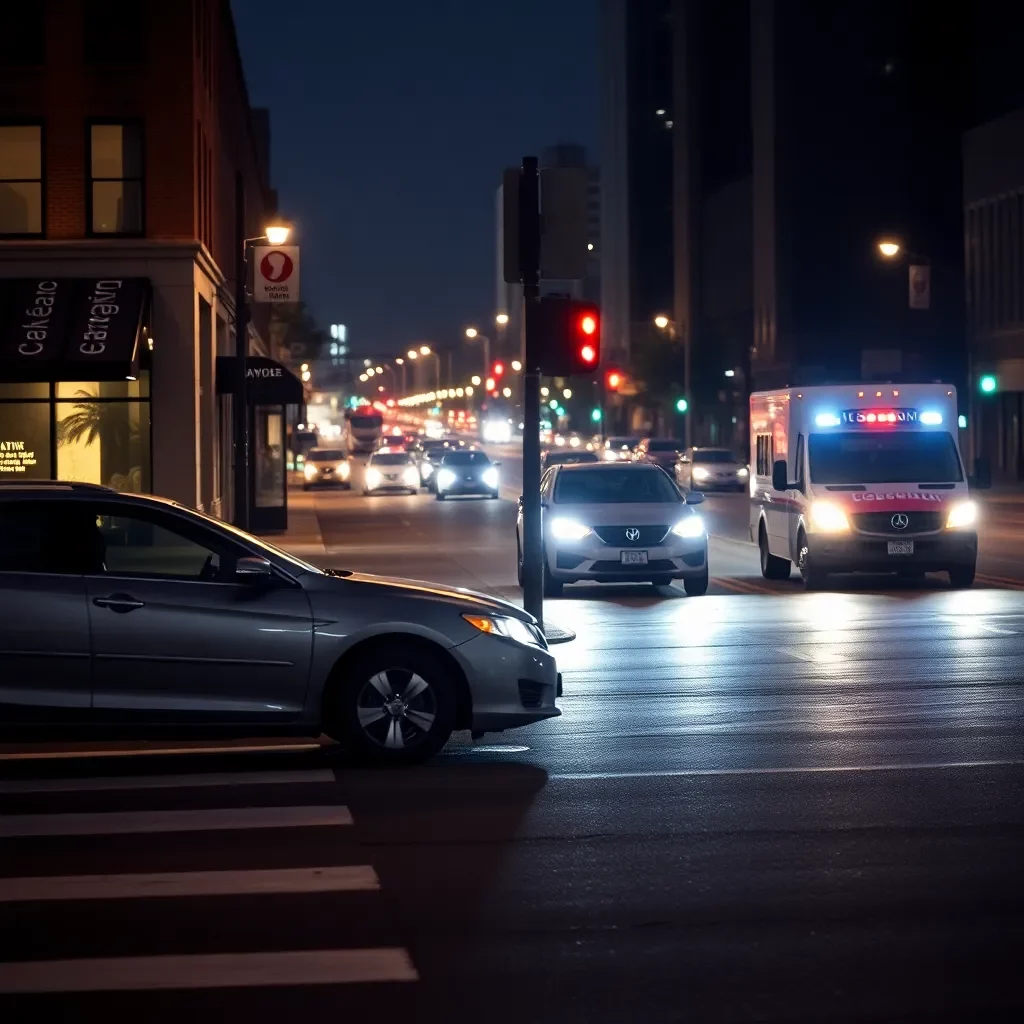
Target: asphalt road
757,806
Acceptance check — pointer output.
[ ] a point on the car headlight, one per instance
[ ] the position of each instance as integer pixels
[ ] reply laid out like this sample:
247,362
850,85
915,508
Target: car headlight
691,527
490,478
411,476
373,479
426,469
508,627
699,473
445,478
962,515
610,456
309,470
568,529
828,518
345,470
743,472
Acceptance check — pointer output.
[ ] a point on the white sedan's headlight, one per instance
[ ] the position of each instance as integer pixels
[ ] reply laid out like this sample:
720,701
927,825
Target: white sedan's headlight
309,470
699,473
568,529
691,527
445,478
411,476
490,478
373,479
509,627
828,518
743,472
962,515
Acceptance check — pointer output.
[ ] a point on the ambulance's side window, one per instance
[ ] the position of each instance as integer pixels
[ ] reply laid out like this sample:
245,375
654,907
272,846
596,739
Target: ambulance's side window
765,454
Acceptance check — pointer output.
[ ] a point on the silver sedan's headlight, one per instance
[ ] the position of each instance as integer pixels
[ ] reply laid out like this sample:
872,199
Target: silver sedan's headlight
508,627
689,528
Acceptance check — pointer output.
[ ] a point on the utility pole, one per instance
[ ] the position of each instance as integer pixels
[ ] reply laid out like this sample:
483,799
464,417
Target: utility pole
240,404
529,269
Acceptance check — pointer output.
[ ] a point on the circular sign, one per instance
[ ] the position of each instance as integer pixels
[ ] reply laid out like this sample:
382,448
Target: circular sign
276,266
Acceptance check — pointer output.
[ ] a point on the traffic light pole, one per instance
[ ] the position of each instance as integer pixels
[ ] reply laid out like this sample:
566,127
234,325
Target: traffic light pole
529,267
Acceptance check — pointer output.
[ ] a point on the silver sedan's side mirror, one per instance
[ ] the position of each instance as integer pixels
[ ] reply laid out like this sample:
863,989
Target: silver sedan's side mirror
694,497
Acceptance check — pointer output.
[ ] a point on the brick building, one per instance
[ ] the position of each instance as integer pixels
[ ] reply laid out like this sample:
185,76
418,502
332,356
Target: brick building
123,128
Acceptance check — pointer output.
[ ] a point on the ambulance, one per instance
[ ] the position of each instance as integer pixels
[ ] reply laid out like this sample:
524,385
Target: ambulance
860,478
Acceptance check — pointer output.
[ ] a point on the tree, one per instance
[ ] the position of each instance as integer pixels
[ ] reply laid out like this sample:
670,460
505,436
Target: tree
295,336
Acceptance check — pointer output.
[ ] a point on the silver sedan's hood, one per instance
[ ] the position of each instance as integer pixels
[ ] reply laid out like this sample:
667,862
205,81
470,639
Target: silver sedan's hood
468,600
645,513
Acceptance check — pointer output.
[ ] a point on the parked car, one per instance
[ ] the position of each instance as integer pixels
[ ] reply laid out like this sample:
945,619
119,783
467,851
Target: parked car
131,615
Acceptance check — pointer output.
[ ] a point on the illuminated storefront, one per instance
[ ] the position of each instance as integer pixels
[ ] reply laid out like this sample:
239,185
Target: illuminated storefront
75,381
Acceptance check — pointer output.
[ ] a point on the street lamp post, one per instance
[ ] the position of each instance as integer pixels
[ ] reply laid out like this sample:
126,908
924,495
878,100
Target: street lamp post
276,234
401,362
474,335
671,328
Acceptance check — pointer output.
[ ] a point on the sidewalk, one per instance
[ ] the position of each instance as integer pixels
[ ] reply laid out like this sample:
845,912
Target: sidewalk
303,537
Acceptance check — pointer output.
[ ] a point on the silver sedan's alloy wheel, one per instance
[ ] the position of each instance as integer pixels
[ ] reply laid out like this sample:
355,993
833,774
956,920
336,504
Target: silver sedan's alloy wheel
396,709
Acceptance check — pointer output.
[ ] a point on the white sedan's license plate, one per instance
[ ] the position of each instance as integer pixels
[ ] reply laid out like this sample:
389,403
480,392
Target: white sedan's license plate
634,557
901,547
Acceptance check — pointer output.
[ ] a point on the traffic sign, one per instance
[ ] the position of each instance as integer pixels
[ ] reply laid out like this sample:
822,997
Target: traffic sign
276,273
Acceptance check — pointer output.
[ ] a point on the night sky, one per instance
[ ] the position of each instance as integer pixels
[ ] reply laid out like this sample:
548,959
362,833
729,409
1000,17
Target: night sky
391,123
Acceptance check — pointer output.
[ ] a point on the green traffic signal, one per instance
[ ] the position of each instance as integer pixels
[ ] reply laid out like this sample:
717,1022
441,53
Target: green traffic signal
988,384
595,415
553,404
682,405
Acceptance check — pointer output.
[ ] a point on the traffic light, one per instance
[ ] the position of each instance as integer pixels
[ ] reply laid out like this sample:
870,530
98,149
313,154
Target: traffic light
595,415
612,380
569,336
499,369
682,405
988,384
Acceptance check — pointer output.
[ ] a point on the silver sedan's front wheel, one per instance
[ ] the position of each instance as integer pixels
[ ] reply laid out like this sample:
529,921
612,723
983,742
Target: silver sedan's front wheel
397,708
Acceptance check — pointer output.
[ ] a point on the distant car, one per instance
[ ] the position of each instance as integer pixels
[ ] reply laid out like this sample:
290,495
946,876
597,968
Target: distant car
567,457
618,523
659,451
137,617
390,470
326,467
711,469
620,449
467,472
429,453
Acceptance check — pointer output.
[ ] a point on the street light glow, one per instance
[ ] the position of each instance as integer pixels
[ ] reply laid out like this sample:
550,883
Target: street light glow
277,234
507,392
412,353
379,369
567,393
501,318
544,392
475,379
424,350
471,332
889,248
661,321
370,372
400,361
306,375
516,366
363,377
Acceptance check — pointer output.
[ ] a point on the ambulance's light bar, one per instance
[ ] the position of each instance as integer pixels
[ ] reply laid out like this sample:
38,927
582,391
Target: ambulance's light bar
931,419
826,419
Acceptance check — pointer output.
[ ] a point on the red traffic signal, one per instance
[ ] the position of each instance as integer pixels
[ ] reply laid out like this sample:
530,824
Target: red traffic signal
570,336
499,369
612,380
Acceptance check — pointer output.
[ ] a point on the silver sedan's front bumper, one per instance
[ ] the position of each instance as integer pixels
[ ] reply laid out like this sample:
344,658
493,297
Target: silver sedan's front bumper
592,559
510,684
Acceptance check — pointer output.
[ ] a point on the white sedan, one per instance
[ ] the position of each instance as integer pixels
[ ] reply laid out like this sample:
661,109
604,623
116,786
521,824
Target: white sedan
711,469
618,523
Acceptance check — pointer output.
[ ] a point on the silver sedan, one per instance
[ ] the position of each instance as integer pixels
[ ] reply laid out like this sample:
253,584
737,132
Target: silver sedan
128,614
618,523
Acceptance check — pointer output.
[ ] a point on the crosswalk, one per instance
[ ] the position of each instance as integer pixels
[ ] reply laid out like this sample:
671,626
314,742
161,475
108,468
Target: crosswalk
81,824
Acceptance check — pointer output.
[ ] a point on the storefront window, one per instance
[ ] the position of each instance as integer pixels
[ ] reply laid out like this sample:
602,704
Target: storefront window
25,441
269,457
105,389
29,390
103,442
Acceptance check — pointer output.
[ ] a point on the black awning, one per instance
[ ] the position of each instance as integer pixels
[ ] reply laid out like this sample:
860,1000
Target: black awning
266,381
71,328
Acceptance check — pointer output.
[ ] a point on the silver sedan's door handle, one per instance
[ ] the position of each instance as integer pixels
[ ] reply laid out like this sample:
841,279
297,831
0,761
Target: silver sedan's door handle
119,603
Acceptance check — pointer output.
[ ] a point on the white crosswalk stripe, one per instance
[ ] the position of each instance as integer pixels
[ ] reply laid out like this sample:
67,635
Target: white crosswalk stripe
183,970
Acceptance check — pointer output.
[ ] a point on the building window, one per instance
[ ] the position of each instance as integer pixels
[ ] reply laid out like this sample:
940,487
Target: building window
114,32
115,179
21,179
23,39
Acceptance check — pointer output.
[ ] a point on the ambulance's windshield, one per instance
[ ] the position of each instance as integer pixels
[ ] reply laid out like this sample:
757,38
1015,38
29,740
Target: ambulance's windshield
891,457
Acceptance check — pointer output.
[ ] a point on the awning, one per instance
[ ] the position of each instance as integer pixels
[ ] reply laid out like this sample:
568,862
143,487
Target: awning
71,328
266,381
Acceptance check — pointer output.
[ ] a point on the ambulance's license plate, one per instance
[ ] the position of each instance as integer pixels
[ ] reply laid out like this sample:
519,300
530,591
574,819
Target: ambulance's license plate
634,557
901,547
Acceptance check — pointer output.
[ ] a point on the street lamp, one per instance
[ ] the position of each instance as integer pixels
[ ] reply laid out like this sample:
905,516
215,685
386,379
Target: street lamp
661,321
412,353
516,365
401,362
276,233
472,333
889,249
501,319
426,350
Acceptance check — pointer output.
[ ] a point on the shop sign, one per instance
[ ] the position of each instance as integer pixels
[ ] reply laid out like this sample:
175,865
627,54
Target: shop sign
276,273
16,457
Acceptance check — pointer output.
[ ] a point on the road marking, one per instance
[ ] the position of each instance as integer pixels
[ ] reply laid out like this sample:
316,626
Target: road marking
684,773
65,755
212,820
39,888
197,781
213,970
